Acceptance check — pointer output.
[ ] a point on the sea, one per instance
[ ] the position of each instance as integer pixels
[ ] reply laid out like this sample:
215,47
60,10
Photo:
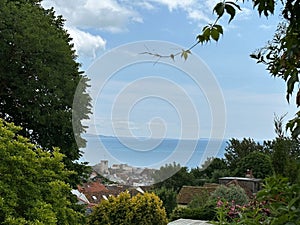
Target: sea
151,153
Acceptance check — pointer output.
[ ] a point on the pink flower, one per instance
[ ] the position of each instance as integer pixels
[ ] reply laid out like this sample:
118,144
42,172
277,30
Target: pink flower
219,203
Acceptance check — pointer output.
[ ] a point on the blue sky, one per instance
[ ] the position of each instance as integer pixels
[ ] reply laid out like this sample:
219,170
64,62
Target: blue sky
250,95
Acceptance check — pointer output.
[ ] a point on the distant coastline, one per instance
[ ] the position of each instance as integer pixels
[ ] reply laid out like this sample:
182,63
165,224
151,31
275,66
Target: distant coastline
146,138
151,153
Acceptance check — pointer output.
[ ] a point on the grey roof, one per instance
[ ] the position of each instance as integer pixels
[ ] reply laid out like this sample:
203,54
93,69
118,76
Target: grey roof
240,178
188,222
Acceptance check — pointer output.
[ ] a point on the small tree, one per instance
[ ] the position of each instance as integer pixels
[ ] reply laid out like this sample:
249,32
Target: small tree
142,209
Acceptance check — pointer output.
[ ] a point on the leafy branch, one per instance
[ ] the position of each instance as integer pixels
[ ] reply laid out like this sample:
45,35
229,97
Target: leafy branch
210,32
214,31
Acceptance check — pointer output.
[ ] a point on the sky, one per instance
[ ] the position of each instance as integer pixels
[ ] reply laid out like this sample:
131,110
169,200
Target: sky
218,92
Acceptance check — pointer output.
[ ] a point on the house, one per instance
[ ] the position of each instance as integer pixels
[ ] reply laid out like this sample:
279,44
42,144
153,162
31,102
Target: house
187,193
94,191
250,185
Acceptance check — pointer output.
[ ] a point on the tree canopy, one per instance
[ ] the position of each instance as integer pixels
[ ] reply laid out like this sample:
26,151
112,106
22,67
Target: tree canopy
32,183
39,77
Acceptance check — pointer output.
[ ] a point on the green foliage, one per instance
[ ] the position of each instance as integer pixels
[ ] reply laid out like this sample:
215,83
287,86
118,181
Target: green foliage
210,171
172,176
218,174
236,150
32,187
168,197
231,193
258,162
39,77
282,54
228,7
283,200
207,212
277,203
199,201
285,158
143,209
211,31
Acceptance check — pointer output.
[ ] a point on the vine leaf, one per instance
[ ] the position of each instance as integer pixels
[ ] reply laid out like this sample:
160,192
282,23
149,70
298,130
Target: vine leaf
219,9
231,11
185,54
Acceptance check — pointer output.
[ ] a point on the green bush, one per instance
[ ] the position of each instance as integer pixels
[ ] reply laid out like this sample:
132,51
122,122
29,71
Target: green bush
207,212
199,201
231,193
142,209
33,188
168,197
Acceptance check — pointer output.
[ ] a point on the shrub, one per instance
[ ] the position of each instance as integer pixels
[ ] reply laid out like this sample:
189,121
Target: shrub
205,212
199,201
142,209
168,197
231,193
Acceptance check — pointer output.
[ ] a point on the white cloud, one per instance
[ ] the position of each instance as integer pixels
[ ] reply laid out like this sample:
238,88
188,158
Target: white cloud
84,15
106,15
84,18
198,15
145,5
176,4
85,43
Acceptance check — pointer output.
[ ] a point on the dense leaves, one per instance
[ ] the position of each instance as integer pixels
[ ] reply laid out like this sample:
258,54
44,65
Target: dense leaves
172,176
277,203
286,158
32,183
168,197
142,209
236,150
39,77
259,163
232,193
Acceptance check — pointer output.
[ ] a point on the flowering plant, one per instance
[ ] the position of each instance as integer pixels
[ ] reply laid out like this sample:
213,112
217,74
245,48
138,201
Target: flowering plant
277,203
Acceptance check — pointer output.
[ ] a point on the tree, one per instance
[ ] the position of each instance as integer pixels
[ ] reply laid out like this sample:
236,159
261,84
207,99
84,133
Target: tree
32,183
259,163
211,170
172,176
142,209
285,158
236,150
39,77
